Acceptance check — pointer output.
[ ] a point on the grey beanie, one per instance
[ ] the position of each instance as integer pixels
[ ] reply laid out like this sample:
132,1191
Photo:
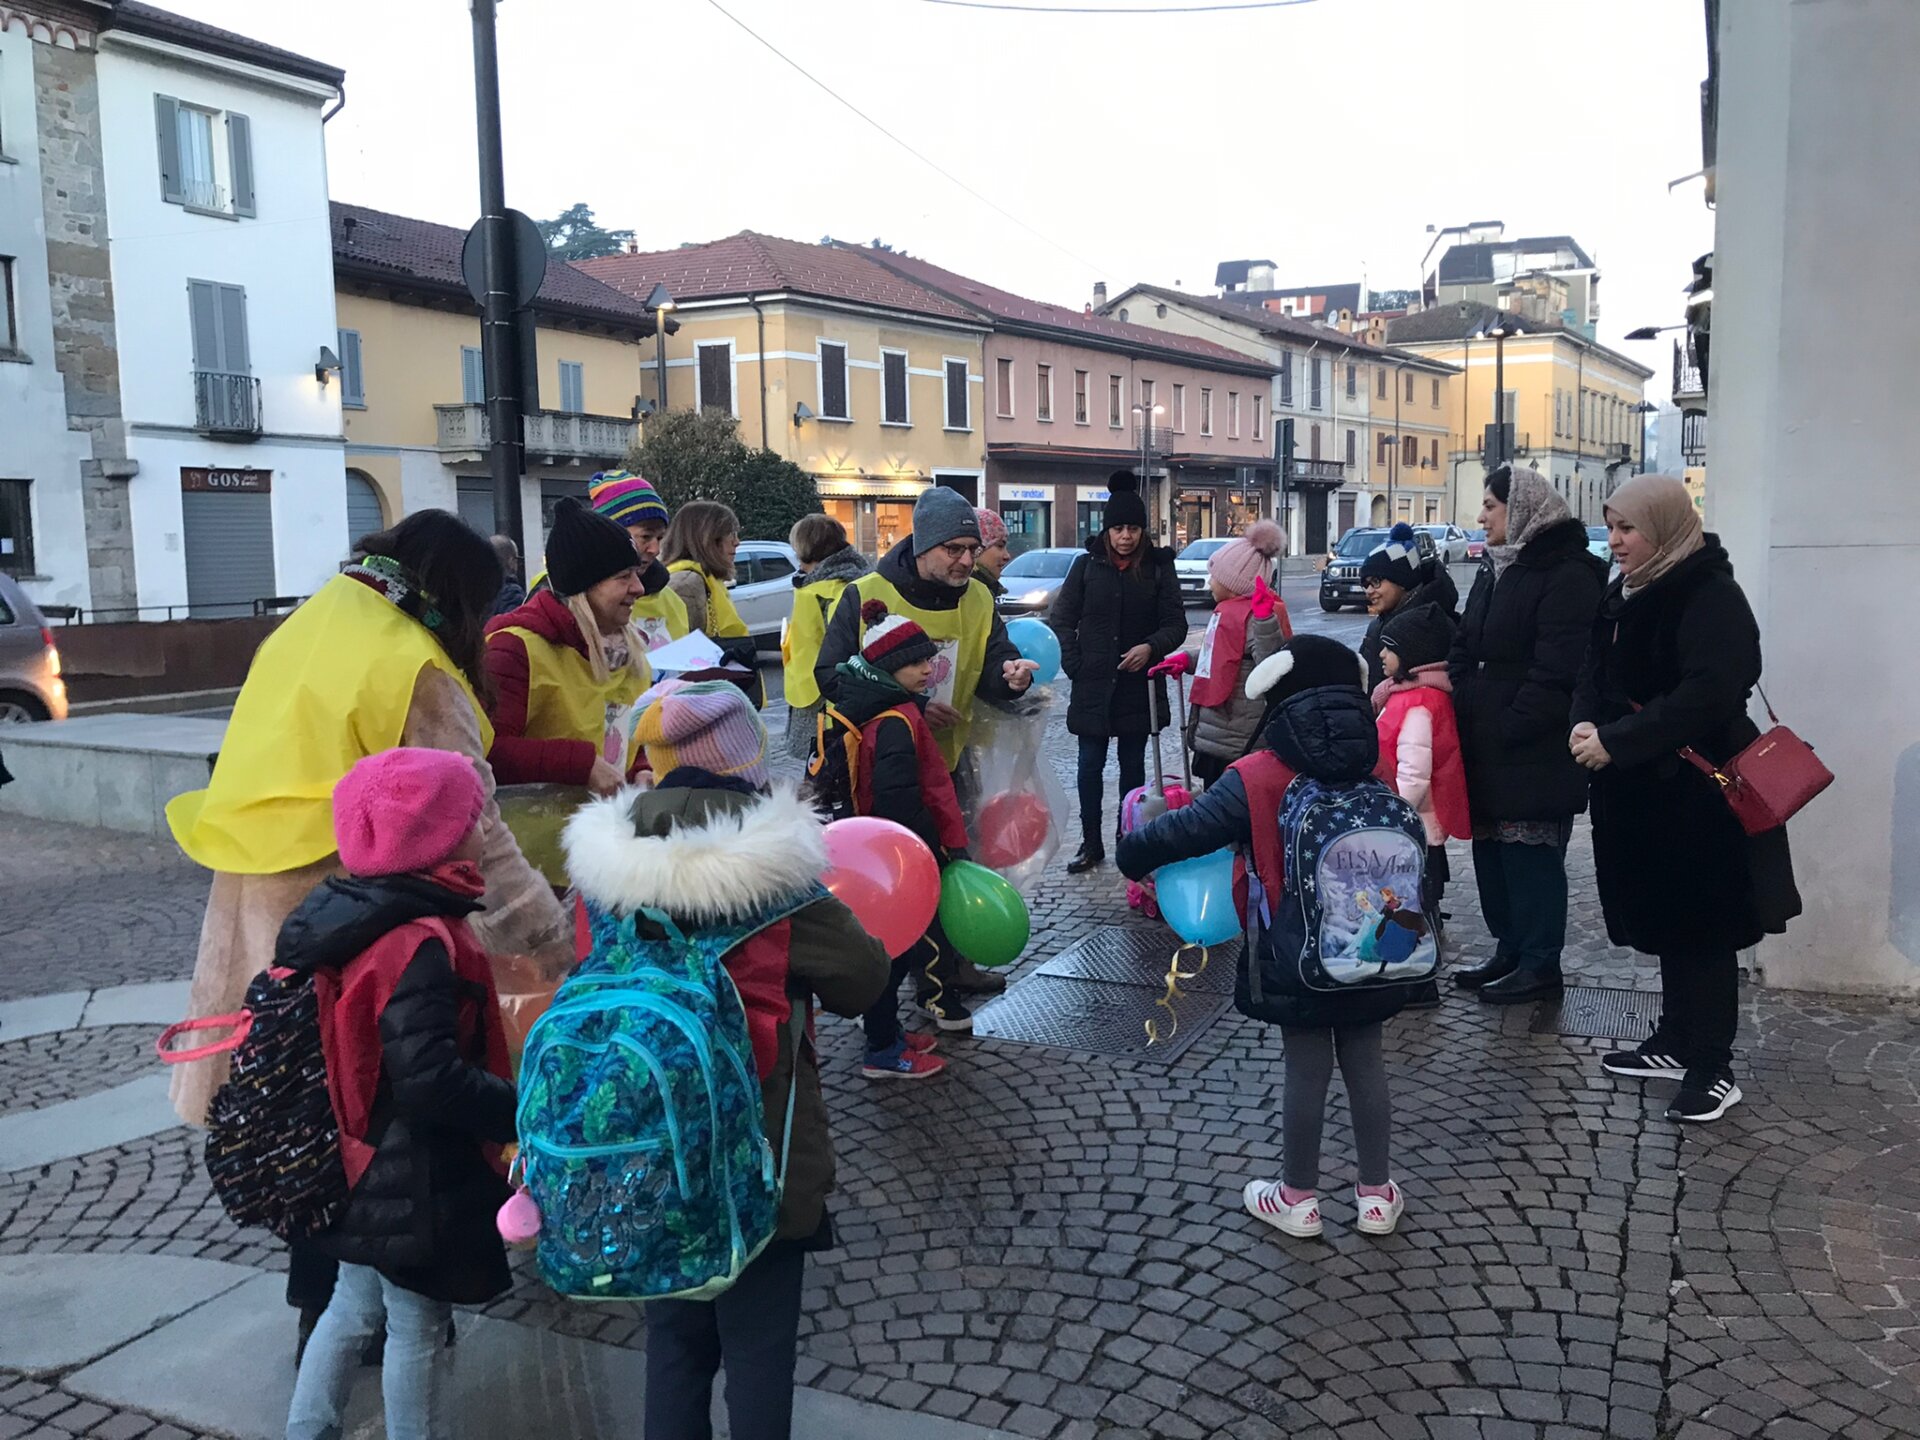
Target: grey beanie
940,515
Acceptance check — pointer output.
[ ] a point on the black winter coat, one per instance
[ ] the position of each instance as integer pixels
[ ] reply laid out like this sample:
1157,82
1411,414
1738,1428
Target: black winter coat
1677,873
1516,658
1328,733
423,1212
895,777
1436,589
1099,614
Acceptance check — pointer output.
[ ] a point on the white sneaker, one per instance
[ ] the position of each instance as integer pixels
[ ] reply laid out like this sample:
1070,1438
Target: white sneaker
1265,1202
1378,1216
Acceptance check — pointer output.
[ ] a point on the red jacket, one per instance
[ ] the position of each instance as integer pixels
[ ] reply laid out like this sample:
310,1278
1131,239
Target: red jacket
1420,752
516,758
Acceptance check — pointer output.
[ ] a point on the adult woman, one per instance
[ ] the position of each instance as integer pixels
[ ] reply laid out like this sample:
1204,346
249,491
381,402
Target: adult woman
828,564
1516,658
1118,613
698,551
994,551
631,502
387,653
566,667
1674,654
1396,580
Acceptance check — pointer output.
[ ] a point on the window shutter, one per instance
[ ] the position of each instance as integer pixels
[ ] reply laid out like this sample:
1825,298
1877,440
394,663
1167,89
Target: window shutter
716,378
573,388
833,381
203,307
240,162
894,383
353,388
473,376
166,124
233,330
957,417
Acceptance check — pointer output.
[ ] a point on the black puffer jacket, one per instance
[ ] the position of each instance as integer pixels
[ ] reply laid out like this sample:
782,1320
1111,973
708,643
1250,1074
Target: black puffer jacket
1099,614
1435,588
1516,658
1677,873
423,1212
1327,733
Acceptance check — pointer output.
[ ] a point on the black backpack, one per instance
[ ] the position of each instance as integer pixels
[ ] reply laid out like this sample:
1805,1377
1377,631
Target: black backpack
273,1143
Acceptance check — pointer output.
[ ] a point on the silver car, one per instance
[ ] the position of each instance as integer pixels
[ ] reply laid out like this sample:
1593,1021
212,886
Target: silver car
30,683
1190,568
1032,578
762,589
1451,541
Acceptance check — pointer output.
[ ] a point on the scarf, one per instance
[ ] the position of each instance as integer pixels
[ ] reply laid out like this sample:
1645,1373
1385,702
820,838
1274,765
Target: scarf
1659,507
858,664
393,580
1533,506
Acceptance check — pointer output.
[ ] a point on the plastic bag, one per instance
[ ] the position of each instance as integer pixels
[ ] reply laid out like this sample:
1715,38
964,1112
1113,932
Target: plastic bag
536,814
1015,806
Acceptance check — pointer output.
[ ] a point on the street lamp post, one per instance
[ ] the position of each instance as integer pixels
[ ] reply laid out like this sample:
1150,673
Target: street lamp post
505,405
1499,334
660,302
1644,409
1144,420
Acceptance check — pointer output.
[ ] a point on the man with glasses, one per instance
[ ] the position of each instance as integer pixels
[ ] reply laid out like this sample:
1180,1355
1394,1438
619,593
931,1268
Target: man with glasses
928,577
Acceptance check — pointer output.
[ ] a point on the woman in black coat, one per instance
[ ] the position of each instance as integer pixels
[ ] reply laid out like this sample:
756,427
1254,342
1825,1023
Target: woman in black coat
1117,613
1674,655
1516,658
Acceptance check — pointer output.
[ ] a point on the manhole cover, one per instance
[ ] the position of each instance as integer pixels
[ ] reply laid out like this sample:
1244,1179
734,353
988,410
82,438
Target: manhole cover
1136,955
1097,1017
1599,1014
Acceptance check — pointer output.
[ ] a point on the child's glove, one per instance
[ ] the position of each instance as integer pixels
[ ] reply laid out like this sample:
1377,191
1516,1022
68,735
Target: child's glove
1177,663
1265,602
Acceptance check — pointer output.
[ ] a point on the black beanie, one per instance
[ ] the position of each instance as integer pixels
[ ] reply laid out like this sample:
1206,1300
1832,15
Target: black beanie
1398,559
1306,662
1419,635
1124,505
585,548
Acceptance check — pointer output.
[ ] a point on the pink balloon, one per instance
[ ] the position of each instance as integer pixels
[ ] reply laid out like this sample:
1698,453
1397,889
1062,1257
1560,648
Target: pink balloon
886,875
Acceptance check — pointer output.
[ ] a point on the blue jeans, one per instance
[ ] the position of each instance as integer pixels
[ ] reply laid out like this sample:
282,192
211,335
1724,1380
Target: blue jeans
410,1381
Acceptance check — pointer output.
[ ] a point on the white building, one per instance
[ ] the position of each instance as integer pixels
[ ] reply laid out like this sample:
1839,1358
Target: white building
216,189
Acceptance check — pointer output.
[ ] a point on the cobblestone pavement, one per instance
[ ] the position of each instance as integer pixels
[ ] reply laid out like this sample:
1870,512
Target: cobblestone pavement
1053,1243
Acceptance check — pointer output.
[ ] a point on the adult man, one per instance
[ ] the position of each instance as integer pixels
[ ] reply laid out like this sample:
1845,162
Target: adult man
928,577
512,593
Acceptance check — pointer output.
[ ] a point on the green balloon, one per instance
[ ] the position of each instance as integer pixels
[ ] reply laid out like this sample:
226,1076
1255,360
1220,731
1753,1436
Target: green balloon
983,915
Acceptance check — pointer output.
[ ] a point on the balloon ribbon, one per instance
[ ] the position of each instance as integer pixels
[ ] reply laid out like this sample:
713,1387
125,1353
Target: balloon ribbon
1174,976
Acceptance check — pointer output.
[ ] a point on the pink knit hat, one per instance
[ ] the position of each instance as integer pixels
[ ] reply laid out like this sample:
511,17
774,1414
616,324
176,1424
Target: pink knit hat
1239,562
708,724
993,529
405,809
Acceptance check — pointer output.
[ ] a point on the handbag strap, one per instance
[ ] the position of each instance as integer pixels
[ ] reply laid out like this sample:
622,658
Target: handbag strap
1700,762
1772,719
241,1022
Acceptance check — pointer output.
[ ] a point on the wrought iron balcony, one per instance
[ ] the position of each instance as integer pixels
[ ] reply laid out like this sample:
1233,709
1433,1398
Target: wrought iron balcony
1301,471
1693,437
1518,443
1689,383
1155,439
225,404
465,434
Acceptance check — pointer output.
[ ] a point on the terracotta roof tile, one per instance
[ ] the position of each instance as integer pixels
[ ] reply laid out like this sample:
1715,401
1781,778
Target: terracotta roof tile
374,244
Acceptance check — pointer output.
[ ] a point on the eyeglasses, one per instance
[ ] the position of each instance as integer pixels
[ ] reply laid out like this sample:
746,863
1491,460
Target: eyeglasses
961,550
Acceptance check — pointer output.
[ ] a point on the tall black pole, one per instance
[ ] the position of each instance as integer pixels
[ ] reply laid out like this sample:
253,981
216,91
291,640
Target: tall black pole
506,452
1500,396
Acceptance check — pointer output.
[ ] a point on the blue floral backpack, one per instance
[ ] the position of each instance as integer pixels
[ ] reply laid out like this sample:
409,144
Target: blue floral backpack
642,1138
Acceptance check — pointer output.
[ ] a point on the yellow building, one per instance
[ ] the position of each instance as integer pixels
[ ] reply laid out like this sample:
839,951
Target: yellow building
1571,404
870,383
413,388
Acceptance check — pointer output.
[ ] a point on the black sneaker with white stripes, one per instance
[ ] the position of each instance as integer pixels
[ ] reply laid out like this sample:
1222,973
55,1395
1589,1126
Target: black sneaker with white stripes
1646,1063
1704,1095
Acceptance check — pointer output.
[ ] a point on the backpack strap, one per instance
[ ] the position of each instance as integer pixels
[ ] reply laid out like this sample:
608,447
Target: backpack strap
1266,777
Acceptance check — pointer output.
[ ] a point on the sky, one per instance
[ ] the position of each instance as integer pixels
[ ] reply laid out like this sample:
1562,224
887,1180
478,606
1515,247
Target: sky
1326,136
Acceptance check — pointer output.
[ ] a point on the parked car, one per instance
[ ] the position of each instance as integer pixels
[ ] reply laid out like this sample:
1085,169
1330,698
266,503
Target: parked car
1190,566
1476,544
1033,578
762,588
30,683
1450,541
1340,581
1597,543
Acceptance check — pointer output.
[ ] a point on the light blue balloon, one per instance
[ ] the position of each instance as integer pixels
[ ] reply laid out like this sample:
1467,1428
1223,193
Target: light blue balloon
1196,898
1035,641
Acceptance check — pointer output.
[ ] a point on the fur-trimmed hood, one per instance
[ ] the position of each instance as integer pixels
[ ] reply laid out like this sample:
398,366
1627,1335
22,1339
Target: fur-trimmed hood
701,855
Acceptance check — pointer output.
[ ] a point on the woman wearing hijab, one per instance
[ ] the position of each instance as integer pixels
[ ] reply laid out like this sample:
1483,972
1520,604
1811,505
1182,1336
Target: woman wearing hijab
1516,658
1674,655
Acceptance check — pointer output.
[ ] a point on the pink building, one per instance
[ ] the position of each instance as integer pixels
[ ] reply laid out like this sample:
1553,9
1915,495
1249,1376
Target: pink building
1071,397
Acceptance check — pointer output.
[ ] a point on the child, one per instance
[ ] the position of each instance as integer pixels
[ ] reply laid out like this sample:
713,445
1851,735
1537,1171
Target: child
902,777
417,1067
1319,726
714,844
1249,623
1419,744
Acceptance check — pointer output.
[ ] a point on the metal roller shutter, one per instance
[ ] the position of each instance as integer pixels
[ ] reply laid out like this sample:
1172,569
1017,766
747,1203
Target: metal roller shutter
475,498
229,551
363,508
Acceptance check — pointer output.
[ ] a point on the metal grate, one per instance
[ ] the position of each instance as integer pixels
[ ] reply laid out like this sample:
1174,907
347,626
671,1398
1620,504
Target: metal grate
1136,955
1096,1017
1598,1013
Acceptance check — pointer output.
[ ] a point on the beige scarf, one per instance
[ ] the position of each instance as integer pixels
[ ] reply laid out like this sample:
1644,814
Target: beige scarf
1659,507
1533,505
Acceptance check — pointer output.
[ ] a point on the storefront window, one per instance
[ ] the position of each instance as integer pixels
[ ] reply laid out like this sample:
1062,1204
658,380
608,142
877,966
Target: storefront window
893,522
1243,508
1029,524
1193,518
843,511
1093,519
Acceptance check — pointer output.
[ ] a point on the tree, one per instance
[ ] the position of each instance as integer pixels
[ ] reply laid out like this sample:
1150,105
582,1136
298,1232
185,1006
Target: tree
700,456
573,235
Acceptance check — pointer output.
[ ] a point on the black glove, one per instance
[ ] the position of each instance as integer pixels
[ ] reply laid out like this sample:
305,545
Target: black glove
654,577
740,649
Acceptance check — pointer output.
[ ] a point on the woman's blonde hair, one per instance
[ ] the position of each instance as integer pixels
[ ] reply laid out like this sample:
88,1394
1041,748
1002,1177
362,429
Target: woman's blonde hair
598,663
815,537
696,534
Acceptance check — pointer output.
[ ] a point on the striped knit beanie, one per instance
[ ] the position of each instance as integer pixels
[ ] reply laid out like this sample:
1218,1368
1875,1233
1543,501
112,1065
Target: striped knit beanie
892,640
626,498
708,724
1398,560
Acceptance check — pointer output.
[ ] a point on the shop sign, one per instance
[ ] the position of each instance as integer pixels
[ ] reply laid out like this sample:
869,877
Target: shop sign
1026,492
1092,493
225,482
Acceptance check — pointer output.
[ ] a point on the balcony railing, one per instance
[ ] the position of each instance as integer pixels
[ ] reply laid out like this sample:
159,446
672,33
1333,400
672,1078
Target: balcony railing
1688,382
1518,443
464,432
225,403
1300,471
1157,439
1693,437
